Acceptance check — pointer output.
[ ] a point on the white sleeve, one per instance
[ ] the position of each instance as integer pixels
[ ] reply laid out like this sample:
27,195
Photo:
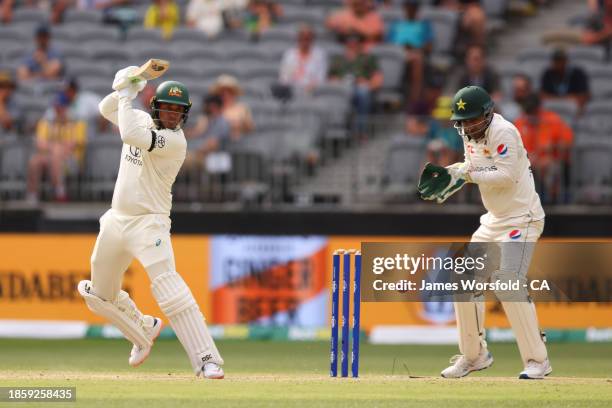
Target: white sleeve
505,170
108,108
134,125
169,144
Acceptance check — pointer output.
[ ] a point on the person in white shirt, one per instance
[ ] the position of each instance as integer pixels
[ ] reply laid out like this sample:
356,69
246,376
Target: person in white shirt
138,226
496,160
304,67
206,15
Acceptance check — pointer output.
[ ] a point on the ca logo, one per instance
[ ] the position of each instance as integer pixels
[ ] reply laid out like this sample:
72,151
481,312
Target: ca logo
135,151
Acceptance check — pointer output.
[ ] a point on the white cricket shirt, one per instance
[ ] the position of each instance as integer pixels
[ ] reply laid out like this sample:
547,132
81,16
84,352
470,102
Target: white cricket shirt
150,159
499,164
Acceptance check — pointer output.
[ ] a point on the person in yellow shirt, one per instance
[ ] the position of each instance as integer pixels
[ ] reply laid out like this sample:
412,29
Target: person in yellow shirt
59,149
163,14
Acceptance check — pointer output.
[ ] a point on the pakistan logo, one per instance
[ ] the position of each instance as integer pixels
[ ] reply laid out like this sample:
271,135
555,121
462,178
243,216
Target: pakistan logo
135,151
175,91
461,105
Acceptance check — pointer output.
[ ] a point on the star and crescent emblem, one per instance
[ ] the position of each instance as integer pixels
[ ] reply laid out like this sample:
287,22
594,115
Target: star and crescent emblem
461,104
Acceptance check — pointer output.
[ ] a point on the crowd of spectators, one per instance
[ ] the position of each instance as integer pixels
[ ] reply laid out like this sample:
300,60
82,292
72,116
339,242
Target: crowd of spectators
359,28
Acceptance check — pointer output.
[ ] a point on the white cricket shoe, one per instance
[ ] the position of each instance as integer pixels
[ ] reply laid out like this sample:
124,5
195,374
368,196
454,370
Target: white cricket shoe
212,371
535,370
461,366
139,354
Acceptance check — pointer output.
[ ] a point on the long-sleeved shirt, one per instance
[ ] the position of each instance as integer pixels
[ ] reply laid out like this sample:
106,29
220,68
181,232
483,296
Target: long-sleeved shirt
498,163
150,159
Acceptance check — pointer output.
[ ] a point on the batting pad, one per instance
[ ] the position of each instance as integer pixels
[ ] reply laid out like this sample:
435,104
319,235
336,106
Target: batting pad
122,313
470,322
178,304
524,322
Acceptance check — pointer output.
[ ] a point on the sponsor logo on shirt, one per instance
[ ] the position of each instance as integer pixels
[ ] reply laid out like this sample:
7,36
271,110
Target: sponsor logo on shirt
161,141
502,150
483,168
134,156
515,234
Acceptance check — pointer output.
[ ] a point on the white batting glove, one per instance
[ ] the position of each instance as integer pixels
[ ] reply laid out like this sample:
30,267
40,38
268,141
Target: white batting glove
122,81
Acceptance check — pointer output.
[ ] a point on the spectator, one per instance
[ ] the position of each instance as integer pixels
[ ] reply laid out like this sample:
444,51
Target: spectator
163,14
478,72
82,105
119,12
522,87
56,8
548,141
598,29
411,32
444,145
362,71
473,20
416,37
562,81
8,109
42,63
304,67
358,17
236,113
206,15
260,15
212,132
59,149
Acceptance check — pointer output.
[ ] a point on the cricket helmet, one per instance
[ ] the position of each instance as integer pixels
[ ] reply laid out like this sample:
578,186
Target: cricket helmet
172,92
472,102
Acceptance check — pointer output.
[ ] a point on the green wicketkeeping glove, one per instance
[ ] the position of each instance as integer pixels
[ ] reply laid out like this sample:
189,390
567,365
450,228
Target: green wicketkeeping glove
438,183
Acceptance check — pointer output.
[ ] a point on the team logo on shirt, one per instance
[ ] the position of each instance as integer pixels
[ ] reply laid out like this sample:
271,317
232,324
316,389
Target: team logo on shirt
502,150
515,234
161,141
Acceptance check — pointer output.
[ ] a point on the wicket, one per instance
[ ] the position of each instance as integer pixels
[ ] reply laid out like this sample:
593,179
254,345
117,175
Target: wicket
346,278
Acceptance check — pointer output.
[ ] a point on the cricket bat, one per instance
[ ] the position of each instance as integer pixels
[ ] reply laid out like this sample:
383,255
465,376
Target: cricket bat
152,69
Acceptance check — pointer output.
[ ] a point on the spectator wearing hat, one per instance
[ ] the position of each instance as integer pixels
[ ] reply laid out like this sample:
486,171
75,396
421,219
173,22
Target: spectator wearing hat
44,62
59,148
8,109
237,114
361,70
359,16
548,141
304,66
563,81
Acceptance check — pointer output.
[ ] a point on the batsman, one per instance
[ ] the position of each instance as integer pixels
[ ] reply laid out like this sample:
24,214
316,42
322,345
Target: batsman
138,225
495,160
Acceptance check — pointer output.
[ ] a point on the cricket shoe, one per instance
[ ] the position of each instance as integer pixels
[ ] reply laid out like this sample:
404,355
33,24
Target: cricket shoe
139,354
535,370
461,366
212,371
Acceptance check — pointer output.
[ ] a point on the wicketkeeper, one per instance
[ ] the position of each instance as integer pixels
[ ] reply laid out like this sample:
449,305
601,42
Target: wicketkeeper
138,226
497,162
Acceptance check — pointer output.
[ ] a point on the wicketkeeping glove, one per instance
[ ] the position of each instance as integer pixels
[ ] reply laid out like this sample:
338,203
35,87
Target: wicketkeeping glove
438,183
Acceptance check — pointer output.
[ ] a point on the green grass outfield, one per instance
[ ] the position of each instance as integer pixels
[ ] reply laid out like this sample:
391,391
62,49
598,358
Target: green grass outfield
262,374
